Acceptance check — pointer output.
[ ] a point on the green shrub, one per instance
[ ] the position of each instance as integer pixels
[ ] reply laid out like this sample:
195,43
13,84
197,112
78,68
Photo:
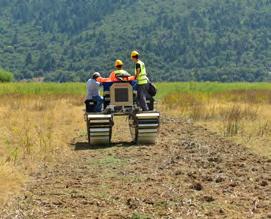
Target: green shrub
5,76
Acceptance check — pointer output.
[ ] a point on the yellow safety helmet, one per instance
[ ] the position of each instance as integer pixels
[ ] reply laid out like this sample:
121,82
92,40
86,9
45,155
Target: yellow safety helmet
134,53
118,62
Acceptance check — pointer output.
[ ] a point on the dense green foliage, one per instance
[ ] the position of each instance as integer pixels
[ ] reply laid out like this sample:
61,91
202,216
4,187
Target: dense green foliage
209,40
5,76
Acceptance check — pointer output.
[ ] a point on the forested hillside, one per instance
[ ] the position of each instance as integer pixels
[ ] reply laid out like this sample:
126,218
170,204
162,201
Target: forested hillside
210,40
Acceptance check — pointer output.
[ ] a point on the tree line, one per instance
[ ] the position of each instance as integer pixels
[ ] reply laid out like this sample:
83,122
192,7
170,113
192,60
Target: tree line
185,40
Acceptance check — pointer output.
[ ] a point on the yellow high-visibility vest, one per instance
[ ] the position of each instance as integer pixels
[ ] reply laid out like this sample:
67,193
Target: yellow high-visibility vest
142,77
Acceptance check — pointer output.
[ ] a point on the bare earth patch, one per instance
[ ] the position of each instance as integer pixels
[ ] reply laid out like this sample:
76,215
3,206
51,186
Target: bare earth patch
189,173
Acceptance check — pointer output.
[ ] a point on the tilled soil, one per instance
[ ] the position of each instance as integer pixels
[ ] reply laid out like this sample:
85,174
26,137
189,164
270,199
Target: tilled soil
189,173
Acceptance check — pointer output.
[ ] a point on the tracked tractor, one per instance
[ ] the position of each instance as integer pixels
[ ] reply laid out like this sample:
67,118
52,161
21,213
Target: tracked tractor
120,100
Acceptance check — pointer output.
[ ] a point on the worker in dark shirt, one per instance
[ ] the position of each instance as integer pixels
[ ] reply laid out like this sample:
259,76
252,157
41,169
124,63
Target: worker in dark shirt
142,81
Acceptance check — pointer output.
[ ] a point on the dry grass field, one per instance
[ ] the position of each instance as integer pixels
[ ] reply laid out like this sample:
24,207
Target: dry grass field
35,130
243,116
213,147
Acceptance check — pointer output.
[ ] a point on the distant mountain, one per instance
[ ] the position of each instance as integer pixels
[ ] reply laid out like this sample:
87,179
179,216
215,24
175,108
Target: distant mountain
208,40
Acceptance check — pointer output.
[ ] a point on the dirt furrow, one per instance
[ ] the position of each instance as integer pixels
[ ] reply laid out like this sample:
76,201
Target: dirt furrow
189,173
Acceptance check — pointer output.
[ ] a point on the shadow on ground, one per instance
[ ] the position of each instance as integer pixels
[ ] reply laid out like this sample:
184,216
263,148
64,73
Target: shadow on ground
81,146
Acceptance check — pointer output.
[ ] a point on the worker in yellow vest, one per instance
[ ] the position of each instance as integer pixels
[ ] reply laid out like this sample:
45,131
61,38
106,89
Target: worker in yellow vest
142,81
